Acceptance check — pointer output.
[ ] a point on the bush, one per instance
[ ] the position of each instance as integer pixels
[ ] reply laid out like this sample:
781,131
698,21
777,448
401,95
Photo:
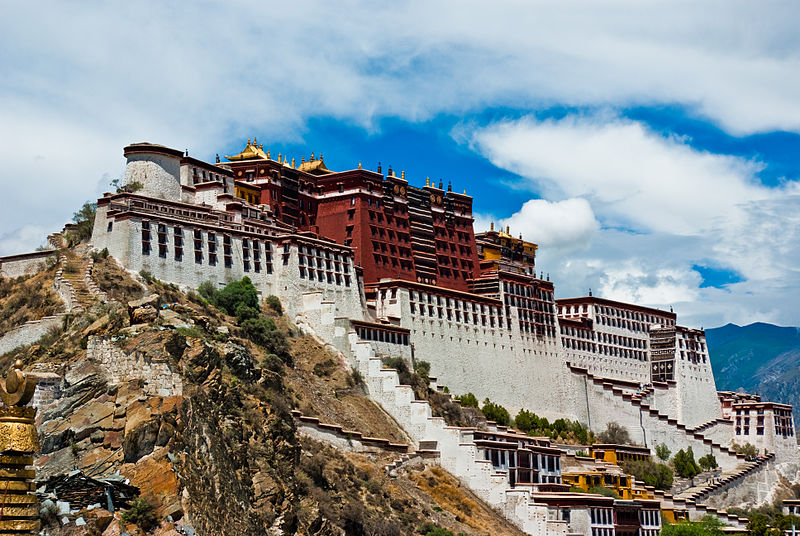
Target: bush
235,294
653,474
140,514
245,312
604,491
663,452
147,276
423,370
355,378
274,303
532,424
495,412
207,290
429,529
468,400
615,434
747,449
263,332
97,256
708,462
684,463
708,526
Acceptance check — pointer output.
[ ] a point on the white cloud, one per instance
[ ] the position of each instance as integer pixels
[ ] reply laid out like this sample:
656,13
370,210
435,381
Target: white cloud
562,224
664,207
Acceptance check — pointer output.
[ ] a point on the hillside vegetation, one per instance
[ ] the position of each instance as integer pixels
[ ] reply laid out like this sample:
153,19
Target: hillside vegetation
225,455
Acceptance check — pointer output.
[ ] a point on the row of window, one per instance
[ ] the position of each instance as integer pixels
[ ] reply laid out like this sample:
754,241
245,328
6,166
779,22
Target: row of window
382,335
601,516
323,276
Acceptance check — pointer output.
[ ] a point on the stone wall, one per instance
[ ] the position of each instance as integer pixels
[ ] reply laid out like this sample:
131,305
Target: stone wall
158,378
29,333
751,490
25,264
516,370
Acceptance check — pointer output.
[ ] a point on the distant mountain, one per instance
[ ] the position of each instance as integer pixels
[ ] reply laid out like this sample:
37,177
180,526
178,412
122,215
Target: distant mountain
759,358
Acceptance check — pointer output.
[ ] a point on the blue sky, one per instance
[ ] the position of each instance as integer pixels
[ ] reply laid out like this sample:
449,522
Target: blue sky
649,148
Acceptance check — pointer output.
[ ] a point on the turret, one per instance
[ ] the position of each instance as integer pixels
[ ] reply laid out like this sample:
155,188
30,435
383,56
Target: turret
156,168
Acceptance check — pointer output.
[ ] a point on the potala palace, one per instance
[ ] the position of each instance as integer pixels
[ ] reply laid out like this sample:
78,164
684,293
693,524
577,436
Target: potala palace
373,267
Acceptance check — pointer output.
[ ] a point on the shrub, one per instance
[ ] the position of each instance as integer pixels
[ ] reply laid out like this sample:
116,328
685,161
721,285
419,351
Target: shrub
235,294
429,529
495,412
708,462
274,303
604,491
97,256
207,290
140,514
355,378
708,526
615,433
147,276
653,474
263,332
468,400
747,449
663,452
423,370
245,312
684,463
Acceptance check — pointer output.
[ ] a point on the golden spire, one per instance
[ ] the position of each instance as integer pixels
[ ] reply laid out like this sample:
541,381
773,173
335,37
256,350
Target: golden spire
320,157
508,229
312,156
268,154
359,165
292,162
465,191
491,226
427,181
403,175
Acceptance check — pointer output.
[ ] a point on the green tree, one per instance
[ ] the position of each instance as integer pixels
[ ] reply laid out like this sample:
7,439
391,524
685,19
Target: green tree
747,449
684,463
526,421
423,370
615,434
708,526
651,473
759,526
663,452
708,462
468,400
495,412
84,222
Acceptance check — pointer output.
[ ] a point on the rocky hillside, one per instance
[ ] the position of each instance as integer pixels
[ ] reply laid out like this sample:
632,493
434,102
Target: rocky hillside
759,358
194,407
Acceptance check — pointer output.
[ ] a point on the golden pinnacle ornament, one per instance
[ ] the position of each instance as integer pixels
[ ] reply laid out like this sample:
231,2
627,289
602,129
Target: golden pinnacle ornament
19,441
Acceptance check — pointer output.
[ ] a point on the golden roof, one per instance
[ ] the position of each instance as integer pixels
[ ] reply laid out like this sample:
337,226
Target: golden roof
251,151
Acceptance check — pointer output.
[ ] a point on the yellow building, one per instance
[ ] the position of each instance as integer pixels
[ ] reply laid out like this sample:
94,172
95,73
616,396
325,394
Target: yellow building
248,192
617,454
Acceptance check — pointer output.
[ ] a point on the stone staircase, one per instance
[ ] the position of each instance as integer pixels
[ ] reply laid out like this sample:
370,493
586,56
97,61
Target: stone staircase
702,491
76,274
638,399
456,447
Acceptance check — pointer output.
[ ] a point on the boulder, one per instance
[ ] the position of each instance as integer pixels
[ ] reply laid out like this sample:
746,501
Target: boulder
241,362
143,315
147,301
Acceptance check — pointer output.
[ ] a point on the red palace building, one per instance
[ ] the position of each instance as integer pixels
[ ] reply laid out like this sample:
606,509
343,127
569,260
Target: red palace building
396,231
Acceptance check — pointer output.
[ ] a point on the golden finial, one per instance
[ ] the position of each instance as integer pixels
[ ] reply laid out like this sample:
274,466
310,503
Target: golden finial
427,181
491,226
292,162
320,157
359,165
279,159
248,141
267,154
465,191
508,229
303,159
312,156
403,174
255,142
